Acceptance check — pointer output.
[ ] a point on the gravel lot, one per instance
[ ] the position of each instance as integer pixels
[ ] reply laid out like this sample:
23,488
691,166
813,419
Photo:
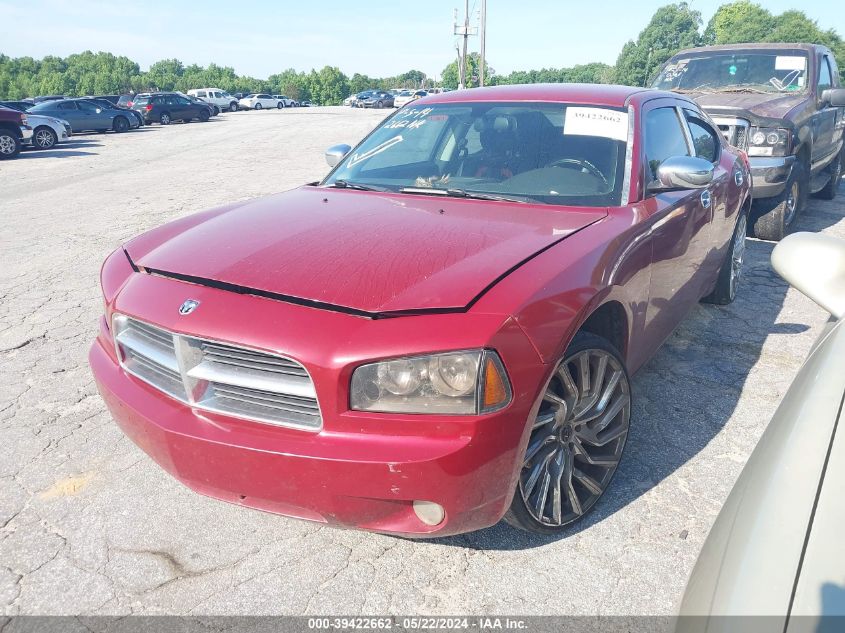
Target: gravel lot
90,525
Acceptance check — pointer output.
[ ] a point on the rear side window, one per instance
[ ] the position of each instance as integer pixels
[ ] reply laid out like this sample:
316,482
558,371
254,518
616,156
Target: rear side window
67,105
825,81
664,138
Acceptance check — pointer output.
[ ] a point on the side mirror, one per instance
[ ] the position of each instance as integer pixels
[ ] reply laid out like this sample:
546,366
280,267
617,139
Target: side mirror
682,172
336,153
814,264
99,110
834,97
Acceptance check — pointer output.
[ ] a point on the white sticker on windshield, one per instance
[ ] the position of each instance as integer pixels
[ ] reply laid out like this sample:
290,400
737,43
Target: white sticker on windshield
789,62
596,122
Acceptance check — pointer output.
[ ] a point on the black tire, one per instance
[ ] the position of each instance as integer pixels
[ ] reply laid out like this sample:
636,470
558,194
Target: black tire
233,107
775,223
43,137
204,116
216,111
258,106
731,271
564,435
280,105
828,192
10,144
380,105
120,124
164,118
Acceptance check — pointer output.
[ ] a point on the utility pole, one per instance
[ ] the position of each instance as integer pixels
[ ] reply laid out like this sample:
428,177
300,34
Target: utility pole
483,40
466,37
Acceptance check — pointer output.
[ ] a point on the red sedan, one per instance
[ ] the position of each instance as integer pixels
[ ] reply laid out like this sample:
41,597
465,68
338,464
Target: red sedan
441,333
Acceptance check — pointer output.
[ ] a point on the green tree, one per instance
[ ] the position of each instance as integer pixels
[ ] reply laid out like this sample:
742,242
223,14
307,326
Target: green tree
736,22
449,78
673,27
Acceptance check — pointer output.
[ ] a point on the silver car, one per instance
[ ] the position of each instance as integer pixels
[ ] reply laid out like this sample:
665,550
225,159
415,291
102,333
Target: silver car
777,547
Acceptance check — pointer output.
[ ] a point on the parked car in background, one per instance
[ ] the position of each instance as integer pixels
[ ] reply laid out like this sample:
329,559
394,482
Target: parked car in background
221,99
543,241
783,104
406,96
258,102
14,131
759,559
166,107
136,120
306,103
47,131
84,115
378,99
48,98
350,100
113,99
355,100
213,110
125,101
286,102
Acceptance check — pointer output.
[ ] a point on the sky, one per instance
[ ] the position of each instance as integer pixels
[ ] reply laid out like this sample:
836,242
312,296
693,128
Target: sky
379,38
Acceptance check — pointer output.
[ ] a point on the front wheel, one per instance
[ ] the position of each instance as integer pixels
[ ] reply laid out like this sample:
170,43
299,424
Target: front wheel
233,107
204,116
44,138
120,124
280,105
775,223
577,438
731,270
10,145
258,106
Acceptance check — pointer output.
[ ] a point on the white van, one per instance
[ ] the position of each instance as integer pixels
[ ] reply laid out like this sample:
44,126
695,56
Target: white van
220,99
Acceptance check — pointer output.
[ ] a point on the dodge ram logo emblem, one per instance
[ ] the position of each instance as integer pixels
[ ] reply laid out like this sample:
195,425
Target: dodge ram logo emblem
189,306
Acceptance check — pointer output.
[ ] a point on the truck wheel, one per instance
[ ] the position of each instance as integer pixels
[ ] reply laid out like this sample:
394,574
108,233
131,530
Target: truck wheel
10,145
829,190
731,270
577,438
774,224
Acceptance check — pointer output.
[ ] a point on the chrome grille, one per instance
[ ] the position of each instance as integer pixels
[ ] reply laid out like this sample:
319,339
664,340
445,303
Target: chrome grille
734,130
218,376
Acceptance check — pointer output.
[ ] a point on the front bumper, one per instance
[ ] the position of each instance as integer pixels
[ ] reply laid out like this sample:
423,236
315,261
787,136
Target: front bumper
26,133
361,470
769,174
368,482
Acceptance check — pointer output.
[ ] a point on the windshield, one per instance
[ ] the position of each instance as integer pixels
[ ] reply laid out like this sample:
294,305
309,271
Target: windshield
539,152
736,71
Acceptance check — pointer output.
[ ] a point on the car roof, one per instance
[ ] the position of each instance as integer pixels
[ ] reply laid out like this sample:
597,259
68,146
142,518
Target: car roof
778,46
594,94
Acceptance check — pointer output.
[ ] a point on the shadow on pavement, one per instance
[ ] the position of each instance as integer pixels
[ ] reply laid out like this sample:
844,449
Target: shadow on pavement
59,152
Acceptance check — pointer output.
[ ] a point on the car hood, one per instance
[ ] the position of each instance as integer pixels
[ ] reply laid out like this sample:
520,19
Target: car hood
365,252
774,106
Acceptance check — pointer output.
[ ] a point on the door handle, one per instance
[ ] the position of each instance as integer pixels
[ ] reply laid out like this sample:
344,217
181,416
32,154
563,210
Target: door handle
705,199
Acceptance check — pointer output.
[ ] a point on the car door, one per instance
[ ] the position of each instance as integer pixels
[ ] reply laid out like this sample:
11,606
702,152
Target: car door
68,111
679,221
824,121
97,118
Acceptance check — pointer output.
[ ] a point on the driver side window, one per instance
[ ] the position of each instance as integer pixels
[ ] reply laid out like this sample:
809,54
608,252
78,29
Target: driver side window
663,138
825,81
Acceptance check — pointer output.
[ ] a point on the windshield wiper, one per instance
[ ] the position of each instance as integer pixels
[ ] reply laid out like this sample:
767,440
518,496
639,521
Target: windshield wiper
742,89
345,184
460,193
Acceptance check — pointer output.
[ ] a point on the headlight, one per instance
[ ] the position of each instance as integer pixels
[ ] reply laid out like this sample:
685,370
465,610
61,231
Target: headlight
768,141
463,383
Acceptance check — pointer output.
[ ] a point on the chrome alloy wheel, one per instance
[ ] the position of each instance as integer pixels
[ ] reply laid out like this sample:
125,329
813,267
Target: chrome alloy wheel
577,438
44,138
738,252
791,204
7,145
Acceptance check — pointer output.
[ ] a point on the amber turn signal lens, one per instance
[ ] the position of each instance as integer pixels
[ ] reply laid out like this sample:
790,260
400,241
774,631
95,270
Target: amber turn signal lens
496,393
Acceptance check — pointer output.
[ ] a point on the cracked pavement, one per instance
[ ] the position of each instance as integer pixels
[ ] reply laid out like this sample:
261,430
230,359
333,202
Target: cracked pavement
90,525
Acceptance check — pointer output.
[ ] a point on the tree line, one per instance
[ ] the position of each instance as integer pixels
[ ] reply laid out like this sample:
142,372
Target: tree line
671,28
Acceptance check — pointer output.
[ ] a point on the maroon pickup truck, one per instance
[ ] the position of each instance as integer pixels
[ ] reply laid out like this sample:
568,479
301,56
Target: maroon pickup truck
13,132
783,105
